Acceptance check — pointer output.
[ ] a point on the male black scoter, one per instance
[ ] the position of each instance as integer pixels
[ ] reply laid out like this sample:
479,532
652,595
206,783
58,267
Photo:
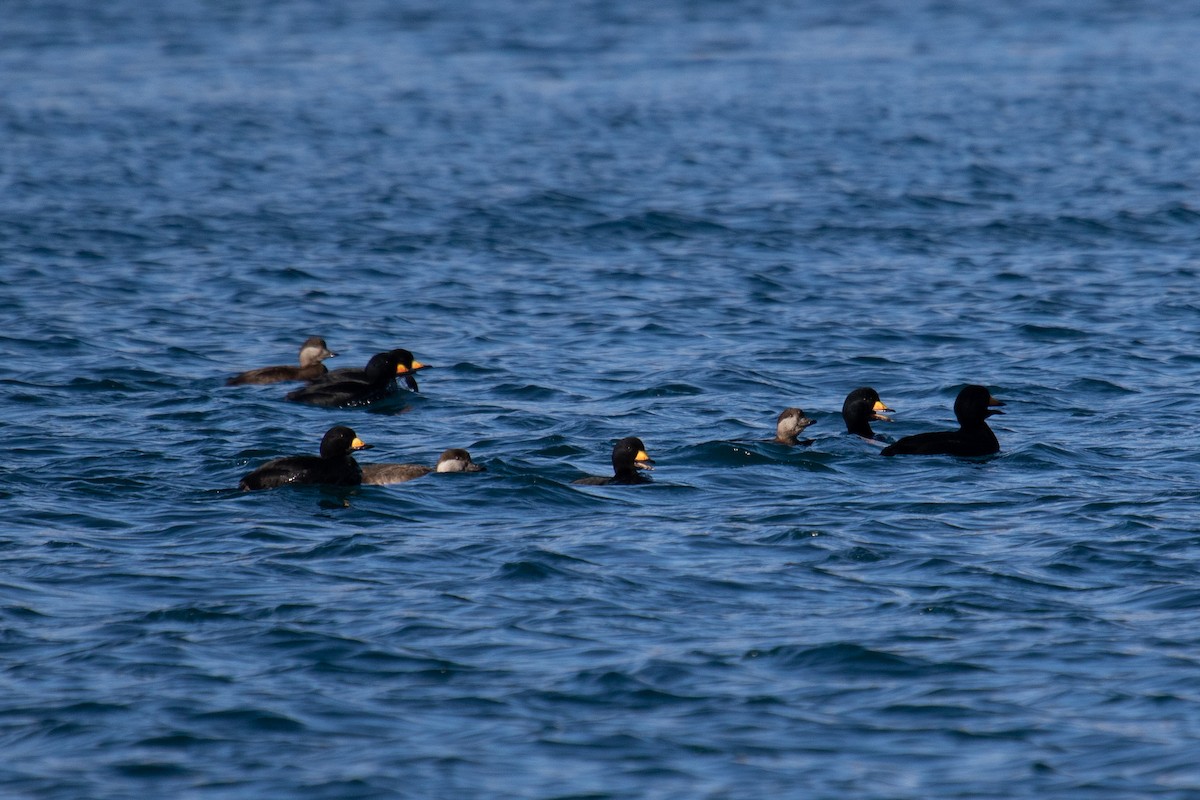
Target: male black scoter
628,456
406,366
791,423
335,465
453,460
375,384
861,408
973,437
312,353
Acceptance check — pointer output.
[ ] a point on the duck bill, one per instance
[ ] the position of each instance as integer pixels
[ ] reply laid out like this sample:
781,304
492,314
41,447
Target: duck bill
877,417
643,461
992,402
879,406
359,444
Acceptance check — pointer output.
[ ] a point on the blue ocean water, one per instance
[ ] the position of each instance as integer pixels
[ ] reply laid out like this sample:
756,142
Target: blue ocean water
598,220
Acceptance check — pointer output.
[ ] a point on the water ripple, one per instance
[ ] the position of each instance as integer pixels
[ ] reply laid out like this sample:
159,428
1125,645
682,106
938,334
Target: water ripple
595,222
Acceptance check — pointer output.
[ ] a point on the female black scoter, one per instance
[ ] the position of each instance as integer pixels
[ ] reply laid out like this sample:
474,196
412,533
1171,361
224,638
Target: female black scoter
628,456
337,392
312,353
861,408
406,366
790,425
973,437
452,460
334,466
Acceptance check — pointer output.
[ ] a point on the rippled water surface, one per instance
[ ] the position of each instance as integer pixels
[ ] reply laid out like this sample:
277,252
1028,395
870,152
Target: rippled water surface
667,220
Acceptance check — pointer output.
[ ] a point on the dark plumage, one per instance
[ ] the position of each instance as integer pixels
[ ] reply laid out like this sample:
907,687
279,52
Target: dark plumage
973,437
790,425
375,383
334,466
452,460
406,365
861,408
628,456
312,353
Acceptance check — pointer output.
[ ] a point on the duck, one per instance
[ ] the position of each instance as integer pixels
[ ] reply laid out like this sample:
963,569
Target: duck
972,407
407,365
312,353
453,460
334,466
861,408
376,381
628,456
791,423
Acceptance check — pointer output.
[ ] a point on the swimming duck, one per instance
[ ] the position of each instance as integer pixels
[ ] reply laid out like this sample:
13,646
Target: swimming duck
312,353
628,456
407,365
861,408
334,466
790,425
336,391
972,407
453,460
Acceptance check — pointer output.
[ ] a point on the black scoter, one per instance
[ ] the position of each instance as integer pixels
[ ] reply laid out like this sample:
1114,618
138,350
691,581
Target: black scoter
312,353
861,408
335,465
973,437
453,460
337,392
406,366
791,423
628,456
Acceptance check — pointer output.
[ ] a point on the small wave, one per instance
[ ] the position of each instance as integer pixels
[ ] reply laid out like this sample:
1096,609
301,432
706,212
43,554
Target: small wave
791,535
338,547
190,614
251,720
178,741
528,391
845,658
540,565
1052,333
152,769
1092,386
661,390
857,554
656,224
937,201
1166,598
618,688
